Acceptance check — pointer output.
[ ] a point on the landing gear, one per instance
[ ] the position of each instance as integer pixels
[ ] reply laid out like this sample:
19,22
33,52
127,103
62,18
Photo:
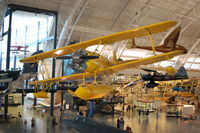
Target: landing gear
151,84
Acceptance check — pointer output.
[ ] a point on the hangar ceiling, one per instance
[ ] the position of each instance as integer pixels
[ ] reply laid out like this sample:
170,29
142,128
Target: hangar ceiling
93,18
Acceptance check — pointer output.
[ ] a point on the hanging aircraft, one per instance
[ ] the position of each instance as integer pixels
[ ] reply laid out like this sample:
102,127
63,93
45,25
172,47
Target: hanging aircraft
156,76
102,66
11,80
169,45
18,48
153,76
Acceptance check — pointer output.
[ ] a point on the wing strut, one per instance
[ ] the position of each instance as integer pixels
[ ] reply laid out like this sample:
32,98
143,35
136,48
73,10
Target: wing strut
83,78
151,41
97,47
95,77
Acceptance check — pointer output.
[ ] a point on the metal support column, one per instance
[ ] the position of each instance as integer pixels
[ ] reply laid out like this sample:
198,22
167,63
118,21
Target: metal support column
8,59
62,100
91,108
25,41
15,60
62,85
52,104
34,101
15,52
0,60
54,65
0,102
38,48
113,108
22,98
38,37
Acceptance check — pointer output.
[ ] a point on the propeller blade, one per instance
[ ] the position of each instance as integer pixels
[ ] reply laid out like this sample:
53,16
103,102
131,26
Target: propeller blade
77,57
65,57
89,57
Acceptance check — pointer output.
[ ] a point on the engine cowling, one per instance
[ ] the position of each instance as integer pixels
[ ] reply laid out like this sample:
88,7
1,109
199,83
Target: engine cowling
79,64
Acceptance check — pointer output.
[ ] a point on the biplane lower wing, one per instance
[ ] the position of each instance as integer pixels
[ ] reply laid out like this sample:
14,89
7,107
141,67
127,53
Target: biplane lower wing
144,61
109,39
114,69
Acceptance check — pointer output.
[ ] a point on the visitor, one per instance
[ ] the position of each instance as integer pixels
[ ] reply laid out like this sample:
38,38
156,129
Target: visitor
132,108
157,115
118,122
128,108
75,107
20,116
121,125
32,122
177,113
147,112
139,112
128,129
25,123
122,107
191,117
54,121
84,114
48,121
143,112
81,113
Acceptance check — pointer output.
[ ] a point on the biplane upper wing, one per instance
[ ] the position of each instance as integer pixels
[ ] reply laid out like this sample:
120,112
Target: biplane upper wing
138,32
114,69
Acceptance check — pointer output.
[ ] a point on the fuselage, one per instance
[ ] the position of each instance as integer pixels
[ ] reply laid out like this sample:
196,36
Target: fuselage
101,63
161,77
164,48
97,64
91,91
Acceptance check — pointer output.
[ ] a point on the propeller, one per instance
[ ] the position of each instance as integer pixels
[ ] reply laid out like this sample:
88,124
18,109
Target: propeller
79,59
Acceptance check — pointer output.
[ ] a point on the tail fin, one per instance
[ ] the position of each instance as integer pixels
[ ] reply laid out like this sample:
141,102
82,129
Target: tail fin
131,44
181,73
172,38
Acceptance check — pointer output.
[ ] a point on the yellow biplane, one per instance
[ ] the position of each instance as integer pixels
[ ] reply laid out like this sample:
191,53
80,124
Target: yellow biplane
101,65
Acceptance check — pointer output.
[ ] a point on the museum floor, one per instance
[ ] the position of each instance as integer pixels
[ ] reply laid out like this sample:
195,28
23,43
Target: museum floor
142,124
